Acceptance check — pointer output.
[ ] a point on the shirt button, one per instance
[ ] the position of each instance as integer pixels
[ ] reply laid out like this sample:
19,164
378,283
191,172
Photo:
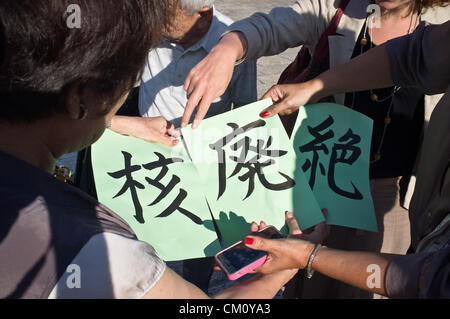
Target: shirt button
430,214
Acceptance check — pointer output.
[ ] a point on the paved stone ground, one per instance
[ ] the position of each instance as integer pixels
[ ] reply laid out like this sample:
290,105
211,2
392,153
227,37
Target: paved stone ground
269,68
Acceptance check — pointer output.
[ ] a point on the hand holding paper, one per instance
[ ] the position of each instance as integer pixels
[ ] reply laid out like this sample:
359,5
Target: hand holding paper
150,129
288,98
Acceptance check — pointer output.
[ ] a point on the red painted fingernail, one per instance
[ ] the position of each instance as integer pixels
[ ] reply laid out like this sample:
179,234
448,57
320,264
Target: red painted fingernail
265,114
249,241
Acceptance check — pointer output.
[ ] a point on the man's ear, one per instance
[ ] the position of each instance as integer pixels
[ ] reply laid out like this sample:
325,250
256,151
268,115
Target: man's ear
205,11
206,15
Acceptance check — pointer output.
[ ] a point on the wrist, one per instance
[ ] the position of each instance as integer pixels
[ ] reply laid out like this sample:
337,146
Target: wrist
317,90
309,268
120,124
233,45
303,258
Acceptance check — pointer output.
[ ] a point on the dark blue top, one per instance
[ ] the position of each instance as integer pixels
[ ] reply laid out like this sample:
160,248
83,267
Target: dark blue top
402,139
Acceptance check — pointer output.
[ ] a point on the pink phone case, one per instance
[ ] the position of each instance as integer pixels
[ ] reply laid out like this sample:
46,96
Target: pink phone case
247,269
243,271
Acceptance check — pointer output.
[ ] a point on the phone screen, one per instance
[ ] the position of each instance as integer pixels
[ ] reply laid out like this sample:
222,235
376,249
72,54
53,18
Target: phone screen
238,257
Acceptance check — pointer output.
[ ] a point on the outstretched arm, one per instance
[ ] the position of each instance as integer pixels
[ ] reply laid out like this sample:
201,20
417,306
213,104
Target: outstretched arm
424,275
418,60
150,129
368,71
254,37
361,269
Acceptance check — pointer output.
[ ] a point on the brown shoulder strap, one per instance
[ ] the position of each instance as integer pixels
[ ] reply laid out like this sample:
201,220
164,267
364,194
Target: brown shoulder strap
321,51
300,69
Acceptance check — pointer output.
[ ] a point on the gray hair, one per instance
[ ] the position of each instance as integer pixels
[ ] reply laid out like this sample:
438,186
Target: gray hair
192,6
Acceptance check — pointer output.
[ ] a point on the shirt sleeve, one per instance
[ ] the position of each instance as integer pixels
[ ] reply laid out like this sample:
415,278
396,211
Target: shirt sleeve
421,59
110,266
425,275
285,27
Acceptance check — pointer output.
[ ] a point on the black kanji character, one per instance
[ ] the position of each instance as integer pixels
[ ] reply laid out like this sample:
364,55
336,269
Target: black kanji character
253,165
355,153
130,184
316,146
163,163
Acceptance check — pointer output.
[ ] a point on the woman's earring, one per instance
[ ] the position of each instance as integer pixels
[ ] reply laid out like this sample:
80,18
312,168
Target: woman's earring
83,112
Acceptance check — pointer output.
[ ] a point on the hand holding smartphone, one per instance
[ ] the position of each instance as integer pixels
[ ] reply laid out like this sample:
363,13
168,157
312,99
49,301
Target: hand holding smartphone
238,260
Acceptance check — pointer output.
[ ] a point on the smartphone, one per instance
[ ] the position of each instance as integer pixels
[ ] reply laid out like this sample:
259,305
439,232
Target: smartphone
238,260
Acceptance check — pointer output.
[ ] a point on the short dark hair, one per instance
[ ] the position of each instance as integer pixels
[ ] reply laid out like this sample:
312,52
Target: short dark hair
40,54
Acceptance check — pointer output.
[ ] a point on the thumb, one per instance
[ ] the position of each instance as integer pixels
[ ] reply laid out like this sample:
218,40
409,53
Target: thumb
168,140
258,243
283,108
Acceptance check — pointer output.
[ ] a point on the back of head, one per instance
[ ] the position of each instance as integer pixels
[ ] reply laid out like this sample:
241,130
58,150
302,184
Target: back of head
42,51
193,6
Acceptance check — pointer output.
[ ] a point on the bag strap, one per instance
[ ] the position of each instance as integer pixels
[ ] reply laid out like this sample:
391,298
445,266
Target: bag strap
305,67
321,51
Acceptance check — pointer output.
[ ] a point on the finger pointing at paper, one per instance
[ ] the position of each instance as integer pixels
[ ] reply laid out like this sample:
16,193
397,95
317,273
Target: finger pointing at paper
288,98
210,78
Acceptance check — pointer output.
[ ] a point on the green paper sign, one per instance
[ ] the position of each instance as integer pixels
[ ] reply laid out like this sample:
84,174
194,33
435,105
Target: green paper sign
238,168
332,143
154,189
251,172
